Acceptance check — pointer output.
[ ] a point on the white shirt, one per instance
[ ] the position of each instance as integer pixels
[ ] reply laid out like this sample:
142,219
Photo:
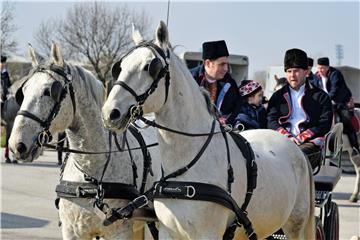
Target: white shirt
297,112
324,81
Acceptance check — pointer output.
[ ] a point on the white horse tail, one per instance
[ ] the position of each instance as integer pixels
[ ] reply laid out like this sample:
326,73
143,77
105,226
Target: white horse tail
310,224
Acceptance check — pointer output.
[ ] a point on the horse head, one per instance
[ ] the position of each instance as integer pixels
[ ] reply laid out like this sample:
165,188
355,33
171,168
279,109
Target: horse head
280,82
46,105
142,77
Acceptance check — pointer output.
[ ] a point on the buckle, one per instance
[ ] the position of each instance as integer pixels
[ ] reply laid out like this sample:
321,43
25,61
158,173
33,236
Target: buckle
190,191
140,201
44,137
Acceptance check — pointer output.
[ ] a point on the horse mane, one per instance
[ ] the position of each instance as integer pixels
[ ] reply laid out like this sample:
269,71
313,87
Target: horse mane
88,82
187,75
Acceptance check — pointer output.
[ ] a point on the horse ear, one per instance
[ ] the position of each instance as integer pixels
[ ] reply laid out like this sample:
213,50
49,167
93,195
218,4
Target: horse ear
56,57
136,35
32,55
162,35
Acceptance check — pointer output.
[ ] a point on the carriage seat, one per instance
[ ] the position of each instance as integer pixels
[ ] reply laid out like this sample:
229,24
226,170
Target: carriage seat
327,178
329,173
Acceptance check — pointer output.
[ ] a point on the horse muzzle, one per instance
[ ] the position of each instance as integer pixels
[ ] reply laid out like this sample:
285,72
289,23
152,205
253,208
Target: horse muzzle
114,120
25,154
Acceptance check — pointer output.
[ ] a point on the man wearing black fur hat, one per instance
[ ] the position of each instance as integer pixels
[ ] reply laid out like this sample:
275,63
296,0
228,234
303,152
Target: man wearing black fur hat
311,76
5,79
214,76
332,81
299,110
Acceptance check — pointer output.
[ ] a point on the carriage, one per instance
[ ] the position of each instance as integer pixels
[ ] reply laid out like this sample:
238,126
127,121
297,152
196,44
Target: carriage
326,175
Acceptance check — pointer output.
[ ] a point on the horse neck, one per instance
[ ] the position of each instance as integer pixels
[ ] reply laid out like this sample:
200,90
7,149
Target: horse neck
87,133
185,110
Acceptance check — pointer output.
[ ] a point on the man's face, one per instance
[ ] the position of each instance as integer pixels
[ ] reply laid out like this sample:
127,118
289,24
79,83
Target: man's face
322,70
217,68
296,77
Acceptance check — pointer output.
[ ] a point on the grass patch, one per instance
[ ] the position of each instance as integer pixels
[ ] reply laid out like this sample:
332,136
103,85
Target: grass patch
3,136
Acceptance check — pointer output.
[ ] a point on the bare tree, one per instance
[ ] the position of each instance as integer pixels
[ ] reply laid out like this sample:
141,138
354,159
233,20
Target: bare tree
8,43
96,33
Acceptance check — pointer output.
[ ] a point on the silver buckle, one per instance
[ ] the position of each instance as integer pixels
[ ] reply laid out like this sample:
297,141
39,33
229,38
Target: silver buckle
43,138
188,193
143,199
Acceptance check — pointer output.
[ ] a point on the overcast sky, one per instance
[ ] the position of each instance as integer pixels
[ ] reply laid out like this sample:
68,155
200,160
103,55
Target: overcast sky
263,31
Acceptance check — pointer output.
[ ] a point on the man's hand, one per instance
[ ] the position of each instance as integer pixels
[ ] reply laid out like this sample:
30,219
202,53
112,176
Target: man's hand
295,140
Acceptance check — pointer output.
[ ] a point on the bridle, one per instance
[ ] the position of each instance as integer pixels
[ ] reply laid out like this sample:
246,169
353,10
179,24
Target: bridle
58,93
158,69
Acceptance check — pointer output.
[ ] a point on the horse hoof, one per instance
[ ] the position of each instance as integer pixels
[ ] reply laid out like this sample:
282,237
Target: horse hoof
353,198
15,161
59,163
7,160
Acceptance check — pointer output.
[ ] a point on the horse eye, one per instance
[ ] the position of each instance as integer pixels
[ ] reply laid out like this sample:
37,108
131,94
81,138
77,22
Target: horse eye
47,92
146,67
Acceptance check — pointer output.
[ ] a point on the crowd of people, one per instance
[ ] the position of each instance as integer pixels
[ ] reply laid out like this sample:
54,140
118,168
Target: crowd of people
303,109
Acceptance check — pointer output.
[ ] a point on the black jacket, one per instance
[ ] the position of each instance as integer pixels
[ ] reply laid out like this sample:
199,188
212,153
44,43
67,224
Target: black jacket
231,94
316,105
250,116
5,84
336,86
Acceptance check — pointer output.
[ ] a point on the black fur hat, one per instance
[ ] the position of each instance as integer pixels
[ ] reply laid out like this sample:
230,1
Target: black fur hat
3,58
214,50
324,61
295,58
310,62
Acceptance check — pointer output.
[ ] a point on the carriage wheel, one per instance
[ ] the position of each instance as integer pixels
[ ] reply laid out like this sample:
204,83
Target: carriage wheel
331,222
320,234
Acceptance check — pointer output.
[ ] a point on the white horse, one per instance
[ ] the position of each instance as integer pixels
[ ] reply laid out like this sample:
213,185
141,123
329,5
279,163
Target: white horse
79,115
284,197
280,82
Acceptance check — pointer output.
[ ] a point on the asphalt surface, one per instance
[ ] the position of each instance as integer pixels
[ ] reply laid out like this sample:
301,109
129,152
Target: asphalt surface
28,194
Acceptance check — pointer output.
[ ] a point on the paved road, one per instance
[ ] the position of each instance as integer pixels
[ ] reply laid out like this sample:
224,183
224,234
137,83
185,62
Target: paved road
28,210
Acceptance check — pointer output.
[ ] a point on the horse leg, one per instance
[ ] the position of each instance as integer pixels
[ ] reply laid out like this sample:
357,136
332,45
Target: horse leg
67,234
301,223
7,157
355,159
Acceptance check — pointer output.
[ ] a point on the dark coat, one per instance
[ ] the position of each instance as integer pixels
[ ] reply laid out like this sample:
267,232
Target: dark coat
231,95
316,105
336,86
250,116
5,84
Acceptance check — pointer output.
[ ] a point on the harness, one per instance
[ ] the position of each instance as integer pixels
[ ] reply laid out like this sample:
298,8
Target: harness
45,136
93,188
188,190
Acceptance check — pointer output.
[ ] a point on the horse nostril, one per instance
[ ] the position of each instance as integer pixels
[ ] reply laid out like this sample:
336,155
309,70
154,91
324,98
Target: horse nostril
115,114
21,148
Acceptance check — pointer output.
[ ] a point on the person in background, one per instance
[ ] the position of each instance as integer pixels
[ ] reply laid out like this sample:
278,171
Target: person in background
214,76
5,79
332,81
299,110
311,76
250,114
